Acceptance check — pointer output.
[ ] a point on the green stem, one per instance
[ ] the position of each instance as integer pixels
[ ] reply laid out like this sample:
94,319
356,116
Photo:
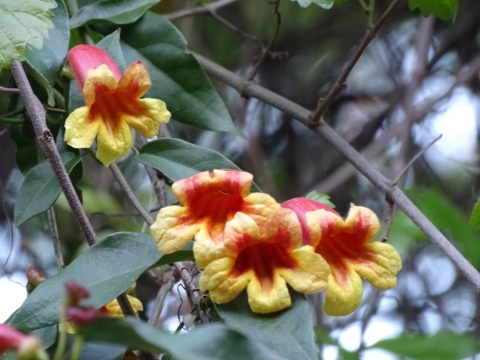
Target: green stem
371,6
62,335
77,347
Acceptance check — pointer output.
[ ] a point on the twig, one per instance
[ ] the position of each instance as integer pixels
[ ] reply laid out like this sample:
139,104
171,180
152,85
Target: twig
165,288
214,6
397,179
324,103
9,90
265,51
128,190
57,247
363,166
36,113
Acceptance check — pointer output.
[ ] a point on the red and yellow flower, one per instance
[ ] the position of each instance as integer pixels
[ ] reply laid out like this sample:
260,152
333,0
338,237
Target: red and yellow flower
346,246
263,260
210,200
113,104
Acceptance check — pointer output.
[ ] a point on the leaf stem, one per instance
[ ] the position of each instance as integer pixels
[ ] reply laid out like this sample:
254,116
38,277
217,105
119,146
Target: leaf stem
77,347
62,334
52,222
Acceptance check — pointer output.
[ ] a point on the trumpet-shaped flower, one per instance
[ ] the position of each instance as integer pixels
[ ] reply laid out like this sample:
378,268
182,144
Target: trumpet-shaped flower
27,347
264,259
210,200
346,246
113,104
113,307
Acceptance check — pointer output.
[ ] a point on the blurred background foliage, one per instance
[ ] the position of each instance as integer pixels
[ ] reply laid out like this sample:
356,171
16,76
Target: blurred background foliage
403,92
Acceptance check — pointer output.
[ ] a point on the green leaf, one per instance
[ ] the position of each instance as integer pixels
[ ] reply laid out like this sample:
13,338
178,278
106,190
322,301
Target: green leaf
92,351
111,44
326,4
449,219
24,23
443,9
475,216
106,269
185,254
48,61
178,159
40,189
118,12
288,333
210,342
444,345
177,78
321,198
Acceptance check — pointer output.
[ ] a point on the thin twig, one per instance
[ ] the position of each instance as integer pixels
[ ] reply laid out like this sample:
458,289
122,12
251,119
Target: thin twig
236,29
325,102
265,51
363,166
214,6
397,179
165,288
36,113
128,190
9,90
57,247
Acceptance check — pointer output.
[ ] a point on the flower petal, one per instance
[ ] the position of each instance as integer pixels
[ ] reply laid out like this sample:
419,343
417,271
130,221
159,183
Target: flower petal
311,273
260,207
80,132
113,307
264,301
135,81
344,292
381,271
363,222
173,229
113,144
221,285
153,112
99,82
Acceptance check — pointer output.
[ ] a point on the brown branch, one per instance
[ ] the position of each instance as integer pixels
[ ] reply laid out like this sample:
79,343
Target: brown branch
324,103
363,166
265,51
205,9
9,90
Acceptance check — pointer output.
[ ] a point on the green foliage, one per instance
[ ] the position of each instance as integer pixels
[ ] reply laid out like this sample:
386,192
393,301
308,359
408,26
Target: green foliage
117,12
106,269
211,342
48,61
40,189
321,198
444,345
326,4
475,216
446,216
443,9
102,352
287,333
111,44
24,23
177,78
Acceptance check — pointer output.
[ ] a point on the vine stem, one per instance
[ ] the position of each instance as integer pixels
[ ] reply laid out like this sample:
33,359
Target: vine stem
36,113
204,9
343,147
372,31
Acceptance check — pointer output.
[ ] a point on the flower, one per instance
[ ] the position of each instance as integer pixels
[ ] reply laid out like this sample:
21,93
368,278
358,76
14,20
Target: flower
113,307
210,200
112,104
28,347
264,260
346,246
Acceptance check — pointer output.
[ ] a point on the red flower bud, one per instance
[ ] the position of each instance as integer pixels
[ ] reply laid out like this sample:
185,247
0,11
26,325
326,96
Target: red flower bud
81,315
27,347
34,278
75,292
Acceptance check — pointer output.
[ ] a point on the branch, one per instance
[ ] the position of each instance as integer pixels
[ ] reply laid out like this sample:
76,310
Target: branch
363,166
324,103
209,8
165,288
9,90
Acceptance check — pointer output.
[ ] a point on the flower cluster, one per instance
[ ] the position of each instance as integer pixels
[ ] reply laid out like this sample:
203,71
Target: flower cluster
113,104
250,241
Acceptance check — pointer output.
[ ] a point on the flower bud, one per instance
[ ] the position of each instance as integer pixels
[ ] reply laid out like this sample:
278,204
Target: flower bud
75,292
34,277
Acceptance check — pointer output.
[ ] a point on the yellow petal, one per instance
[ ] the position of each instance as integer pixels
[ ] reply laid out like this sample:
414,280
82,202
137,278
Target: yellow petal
310,275
221,285
362,220
173,229
135,81
381,271
113,142
260,205
113,307
80,133
343,295
153,112
99,81
275,299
